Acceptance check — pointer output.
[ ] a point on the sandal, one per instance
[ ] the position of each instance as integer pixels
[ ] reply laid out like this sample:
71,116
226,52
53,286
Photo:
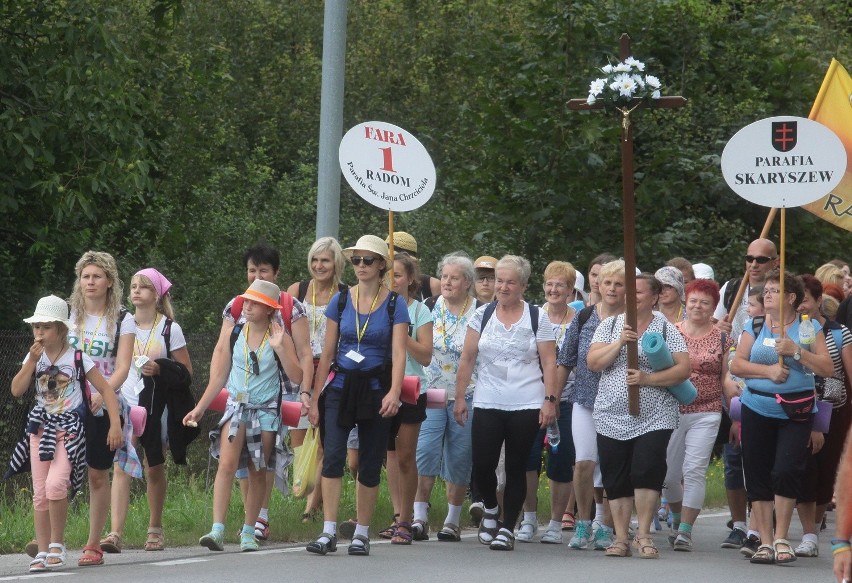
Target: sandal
389,531
568,521
321,548
261,529
400,536
484,534
450,532
646,550
782,547
618,548
360,546
765,555
94,557
420,529
111,543
39,563
504,541
155,541
32,549
56,560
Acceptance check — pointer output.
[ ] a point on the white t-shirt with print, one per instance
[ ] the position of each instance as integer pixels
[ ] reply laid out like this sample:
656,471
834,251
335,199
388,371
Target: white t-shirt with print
97,340
152,344
61,393
510,376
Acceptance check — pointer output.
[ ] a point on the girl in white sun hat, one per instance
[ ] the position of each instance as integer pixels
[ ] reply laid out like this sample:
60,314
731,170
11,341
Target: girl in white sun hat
54,441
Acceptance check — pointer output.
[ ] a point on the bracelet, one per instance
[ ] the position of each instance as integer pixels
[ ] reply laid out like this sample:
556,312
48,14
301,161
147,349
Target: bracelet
840,549
305,393
840,541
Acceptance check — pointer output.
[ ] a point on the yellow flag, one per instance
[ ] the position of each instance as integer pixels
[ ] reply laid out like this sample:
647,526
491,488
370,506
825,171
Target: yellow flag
833,109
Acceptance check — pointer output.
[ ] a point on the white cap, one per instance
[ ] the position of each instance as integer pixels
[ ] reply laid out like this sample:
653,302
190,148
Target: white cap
703,271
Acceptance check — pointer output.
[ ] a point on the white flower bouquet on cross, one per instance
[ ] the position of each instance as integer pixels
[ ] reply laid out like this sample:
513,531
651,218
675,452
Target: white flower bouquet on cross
624,87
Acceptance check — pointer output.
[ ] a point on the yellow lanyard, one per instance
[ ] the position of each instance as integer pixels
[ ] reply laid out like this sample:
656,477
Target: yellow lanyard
258,353
447,331
148,341
88,349
358,329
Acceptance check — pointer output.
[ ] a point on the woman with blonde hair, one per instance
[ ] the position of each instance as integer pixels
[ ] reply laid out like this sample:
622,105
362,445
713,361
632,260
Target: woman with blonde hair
325,264
158,336
105,331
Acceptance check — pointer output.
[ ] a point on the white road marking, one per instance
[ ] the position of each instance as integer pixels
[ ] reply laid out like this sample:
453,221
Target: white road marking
178,562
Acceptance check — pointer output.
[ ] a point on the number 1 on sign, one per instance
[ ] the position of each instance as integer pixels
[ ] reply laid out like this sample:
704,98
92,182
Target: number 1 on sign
388,159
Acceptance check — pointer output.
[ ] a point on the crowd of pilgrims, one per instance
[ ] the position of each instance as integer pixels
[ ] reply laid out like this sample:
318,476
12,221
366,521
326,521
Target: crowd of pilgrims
453,375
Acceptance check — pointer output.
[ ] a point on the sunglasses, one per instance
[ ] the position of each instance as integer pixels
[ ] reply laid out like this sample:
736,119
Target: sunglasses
255,365
367,259
760,259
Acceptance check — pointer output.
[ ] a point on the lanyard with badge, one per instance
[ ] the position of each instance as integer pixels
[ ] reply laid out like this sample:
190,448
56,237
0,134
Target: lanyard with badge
242,395
355,355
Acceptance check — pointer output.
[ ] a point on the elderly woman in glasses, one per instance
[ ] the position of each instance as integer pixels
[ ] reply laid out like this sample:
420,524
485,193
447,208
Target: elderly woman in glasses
365,349
515,395
777,407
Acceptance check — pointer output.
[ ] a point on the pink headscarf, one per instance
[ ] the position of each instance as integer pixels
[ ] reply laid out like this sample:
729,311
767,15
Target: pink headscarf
161,284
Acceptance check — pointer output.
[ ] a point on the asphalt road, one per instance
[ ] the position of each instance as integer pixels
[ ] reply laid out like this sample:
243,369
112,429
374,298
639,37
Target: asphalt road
442,561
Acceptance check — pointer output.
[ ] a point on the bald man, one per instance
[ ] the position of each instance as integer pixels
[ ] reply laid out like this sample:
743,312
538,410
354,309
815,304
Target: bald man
761,258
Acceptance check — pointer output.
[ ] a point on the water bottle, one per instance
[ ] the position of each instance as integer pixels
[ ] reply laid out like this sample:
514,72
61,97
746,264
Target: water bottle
553,437
807,333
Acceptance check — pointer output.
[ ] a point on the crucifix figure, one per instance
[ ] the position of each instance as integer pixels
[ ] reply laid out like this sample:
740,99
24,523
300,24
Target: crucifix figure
628,210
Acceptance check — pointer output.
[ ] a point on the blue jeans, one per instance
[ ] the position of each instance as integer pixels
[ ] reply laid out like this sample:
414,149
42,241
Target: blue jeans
732,455
444,447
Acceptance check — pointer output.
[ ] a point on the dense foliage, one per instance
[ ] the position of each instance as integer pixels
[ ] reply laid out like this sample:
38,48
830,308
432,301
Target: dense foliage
175,133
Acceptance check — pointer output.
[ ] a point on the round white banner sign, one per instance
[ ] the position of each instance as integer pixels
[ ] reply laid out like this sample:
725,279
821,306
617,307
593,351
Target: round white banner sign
783,162
387,166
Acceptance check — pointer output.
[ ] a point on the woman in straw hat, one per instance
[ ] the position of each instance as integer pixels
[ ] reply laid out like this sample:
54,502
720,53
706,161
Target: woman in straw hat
54,427
252,415
365,348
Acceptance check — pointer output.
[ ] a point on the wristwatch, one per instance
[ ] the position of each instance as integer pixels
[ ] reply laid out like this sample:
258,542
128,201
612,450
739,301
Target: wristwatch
798,355
551,398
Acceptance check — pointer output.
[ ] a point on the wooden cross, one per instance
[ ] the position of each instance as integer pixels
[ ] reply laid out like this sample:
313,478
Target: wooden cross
628,211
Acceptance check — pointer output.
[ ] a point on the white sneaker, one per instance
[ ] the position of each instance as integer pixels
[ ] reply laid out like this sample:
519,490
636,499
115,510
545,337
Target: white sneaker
552,537
527,531
807,548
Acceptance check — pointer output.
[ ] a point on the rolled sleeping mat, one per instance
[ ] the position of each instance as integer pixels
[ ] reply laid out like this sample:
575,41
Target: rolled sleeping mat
660,358
410,389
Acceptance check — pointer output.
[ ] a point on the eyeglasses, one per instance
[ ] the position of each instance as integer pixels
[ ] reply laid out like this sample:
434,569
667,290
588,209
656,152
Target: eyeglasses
255,365
771,290
367,259
760,259
484,278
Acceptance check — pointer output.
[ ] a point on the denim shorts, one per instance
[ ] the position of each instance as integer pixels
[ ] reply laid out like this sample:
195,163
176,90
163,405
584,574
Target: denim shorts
444,447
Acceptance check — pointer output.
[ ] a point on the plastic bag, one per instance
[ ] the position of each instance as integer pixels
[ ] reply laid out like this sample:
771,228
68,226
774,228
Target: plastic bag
305,464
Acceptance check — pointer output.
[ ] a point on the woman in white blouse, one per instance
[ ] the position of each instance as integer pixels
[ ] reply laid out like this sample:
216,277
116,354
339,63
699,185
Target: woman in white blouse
632,449
516,393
